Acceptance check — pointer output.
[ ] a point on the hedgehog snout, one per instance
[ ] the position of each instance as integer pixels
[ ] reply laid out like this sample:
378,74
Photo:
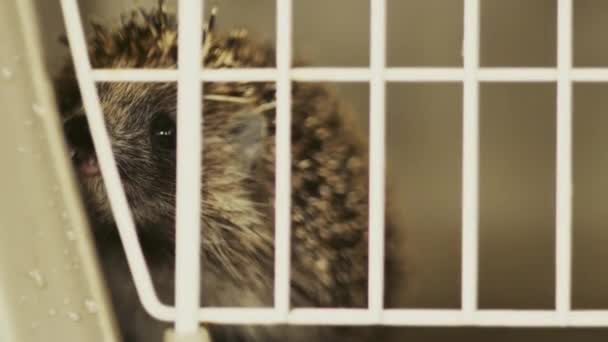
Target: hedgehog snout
80,143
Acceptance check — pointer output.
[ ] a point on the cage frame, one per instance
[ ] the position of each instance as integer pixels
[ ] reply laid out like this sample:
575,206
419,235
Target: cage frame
187,315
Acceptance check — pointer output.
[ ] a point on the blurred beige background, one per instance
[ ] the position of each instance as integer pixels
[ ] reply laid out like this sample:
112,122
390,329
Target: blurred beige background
424,138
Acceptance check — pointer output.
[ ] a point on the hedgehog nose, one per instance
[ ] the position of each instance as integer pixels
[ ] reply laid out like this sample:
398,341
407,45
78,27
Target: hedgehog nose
77,133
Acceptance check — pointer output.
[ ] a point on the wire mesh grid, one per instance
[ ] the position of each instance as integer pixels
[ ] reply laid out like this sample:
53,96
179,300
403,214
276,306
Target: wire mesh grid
186,314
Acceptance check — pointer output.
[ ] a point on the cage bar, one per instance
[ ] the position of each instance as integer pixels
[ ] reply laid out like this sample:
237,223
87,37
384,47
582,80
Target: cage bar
391,74
283,159
189,168
520,75
398,317
563,207
588,74
107,163
377,158
470,157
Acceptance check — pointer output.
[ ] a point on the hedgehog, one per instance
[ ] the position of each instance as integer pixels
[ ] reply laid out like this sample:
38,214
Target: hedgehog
329,179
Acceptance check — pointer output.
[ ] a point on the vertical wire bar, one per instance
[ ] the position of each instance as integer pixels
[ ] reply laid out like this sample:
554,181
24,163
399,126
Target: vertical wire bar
563,248
282,261
470,158
189,168
377,120
107,163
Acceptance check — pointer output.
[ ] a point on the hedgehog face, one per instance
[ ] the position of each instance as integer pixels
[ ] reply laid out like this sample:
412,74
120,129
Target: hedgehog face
140,121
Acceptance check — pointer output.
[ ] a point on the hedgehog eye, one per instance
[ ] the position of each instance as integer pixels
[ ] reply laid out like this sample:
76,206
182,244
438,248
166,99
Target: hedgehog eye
163,132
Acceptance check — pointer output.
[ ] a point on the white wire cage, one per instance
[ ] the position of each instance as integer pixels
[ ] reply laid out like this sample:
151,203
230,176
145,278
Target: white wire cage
187,315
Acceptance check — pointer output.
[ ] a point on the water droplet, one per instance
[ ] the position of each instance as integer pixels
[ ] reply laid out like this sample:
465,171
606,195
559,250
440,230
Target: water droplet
7,73
74,316
37,277
91,306
52,312
70,235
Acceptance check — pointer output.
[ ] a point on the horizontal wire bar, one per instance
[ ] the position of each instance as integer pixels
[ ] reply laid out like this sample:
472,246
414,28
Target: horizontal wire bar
394,74
397,317
517,75
235,75
589,74
135,75
424,74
